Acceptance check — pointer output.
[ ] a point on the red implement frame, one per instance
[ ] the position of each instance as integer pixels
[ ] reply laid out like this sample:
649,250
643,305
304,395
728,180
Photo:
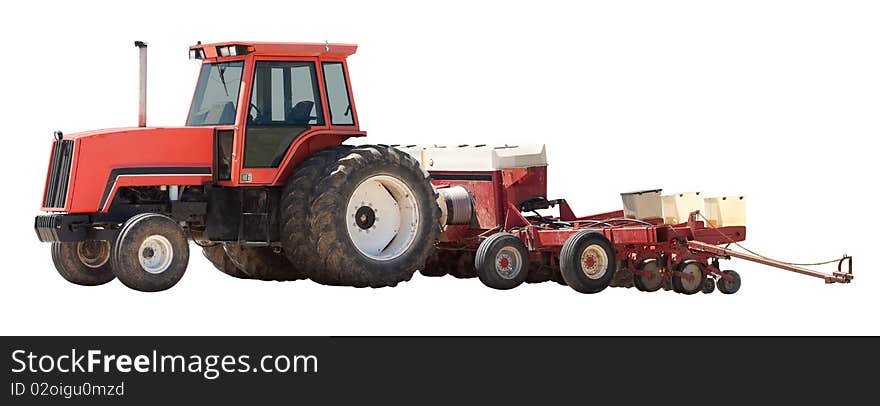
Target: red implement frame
496,195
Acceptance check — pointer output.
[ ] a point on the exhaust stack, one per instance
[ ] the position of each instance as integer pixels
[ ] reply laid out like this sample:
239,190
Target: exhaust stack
142,98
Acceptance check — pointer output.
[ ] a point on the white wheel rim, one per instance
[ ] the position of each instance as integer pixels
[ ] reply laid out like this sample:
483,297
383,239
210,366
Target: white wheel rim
155,254
508,262
594,262
93,257
382,217
692,269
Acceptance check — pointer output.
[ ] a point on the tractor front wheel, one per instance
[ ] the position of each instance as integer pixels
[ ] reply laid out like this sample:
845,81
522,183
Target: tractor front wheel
83,262
151,253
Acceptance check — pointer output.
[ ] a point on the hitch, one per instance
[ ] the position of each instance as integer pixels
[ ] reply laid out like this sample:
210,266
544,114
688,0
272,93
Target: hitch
836,277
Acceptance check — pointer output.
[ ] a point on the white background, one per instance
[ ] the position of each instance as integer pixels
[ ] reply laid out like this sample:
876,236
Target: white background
777,100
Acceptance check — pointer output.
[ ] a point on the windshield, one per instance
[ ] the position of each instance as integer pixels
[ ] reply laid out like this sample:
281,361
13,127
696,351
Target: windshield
216,97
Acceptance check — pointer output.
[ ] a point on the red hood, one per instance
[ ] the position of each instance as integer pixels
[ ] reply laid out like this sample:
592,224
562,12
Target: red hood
98,152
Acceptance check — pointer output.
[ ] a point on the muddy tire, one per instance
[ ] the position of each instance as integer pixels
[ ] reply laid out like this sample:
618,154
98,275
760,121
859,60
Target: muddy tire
150,253
373,220
502,261
85,263
261,263
217,256
587,262
296,204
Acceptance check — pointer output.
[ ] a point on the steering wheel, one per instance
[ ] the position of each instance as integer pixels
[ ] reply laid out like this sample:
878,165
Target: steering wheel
254,113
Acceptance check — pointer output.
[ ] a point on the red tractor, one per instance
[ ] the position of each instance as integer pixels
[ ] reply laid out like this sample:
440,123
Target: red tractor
259,177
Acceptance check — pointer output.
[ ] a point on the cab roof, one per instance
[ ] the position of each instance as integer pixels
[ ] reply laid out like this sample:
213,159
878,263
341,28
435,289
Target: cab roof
282,48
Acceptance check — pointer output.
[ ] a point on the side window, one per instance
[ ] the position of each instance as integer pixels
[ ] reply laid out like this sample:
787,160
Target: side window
337,94
285,102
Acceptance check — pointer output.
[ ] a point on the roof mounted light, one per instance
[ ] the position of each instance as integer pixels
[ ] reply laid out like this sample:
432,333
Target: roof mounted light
234,50
196,53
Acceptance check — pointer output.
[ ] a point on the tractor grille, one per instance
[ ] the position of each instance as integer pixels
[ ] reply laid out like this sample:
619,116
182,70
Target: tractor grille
59,175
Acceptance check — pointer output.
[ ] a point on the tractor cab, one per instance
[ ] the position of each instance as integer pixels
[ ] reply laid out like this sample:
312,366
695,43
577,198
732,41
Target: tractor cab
267,101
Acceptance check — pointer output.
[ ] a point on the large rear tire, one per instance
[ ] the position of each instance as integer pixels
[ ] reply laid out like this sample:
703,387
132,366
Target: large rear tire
296,204
85,263
373,220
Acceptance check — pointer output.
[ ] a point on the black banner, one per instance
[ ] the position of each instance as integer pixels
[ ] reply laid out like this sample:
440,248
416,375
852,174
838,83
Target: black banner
123,370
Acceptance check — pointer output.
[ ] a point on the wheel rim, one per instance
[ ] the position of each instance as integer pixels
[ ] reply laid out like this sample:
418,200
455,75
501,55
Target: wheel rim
382,217
653,280
691,284
93,254
155,254
594,262
508,263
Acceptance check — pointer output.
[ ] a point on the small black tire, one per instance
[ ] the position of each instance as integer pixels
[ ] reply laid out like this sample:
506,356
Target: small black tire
216,254
85,263
709,286
150,253
593,250
685,286
652,282
728,287
502,261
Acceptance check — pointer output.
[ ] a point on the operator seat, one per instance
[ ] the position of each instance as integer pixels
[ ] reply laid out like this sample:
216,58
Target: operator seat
223,112
301,113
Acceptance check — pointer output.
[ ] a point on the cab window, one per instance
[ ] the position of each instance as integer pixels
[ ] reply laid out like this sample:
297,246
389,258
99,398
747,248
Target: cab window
337,94
216,97
284,103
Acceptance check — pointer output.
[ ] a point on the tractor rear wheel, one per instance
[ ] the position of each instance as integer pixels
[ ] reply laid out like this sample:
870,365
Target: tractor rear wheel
84,263
150,253
296,204
373,220
587,262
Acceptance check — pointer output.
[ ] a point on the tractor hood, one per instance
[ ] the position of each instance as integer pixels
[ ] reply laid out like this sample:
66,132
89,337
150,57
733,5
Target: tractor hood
85,167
